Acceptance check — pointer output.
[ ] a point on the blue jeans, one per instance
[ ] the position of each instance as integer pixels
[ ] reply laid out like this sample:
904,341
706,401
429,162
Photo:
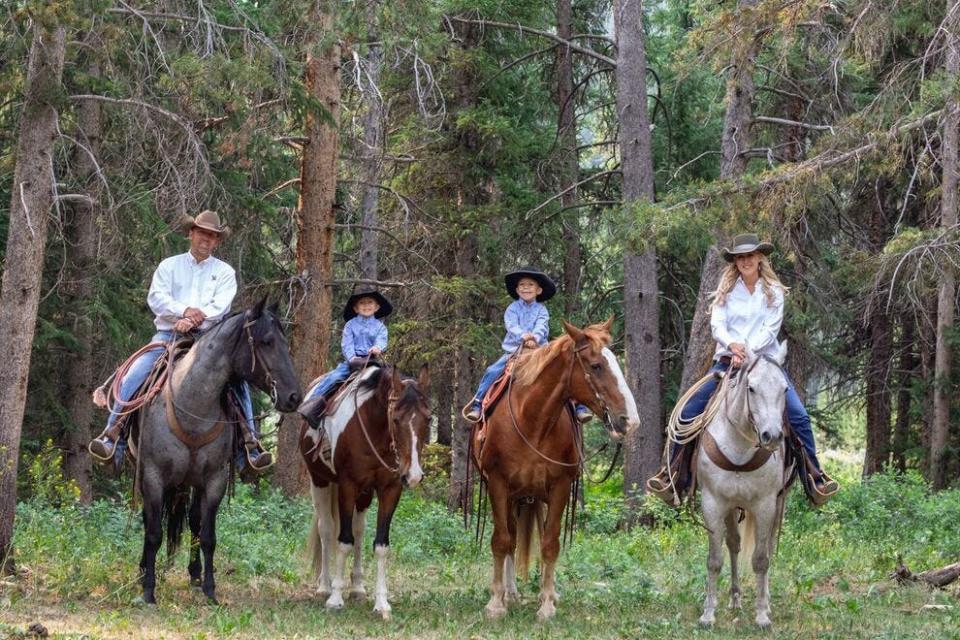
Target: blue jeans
796,413
490,376
142,367
335,377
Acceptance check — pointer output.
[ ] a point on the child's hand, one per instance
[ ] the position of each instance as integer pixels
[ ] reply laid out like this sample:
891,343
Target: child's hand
530,344
375,351
529,336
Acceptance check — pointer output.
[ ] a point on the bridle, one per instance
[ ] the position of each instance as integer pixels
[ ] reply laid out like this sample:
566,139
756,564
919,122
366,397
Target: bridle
268,375
742,376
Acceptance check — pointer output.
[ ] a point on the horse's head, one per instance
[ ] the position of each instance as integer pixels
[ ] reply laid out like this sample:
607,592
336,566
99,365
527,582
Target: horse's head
262,357
597,380
409,418
765,395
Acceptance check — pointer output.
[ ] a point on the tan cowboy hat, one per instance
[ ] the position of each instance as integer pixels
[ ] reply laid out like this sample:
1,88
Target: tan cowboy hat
746,243
206,219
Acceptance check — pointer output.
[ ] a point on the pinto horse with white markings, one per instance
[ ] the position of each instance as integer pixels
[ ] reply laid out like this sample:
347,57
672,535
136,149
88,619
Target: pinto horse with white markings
387,422
530,452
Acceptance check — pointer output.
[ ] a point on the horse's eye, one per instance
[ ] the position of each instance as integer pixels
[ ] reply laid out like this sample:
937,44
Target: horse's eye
597,367
267,342
751,389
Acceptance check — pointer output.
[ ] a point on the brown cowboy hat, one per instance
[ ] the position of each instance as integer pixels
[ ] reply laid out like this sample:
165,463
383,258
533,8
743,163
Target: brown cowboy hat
206,219
746,243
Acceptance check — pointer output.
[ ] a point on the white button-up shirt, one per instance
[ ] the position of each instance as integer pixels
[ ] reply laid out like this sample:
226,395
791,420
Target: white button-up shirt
180,282
746,318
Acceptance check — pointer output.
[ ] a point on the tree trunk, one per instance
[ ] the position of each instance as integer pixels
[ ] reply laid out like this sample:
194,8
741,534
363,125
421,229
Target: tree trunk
443,403
310,342
569,164
946,300
372,147
908,362
30,203
640,303
81,232
735,139
878,391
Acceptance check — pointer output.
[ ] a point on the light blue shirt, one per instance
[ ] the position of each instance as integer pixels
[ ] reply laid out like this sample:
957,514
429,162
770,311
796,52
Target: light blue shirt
522,317
362,334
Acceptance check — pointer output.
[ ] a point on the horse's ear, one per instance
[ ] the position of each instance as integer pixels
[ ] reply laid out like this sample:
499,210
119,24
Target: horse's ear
606,326
782,353
256,311
395,379
423,380
573,331
275,309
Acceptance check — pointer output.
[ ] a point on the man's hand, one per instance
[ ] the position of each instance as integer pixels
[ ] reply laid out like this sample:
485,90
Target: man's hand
100,397
736,361
184,325
195,316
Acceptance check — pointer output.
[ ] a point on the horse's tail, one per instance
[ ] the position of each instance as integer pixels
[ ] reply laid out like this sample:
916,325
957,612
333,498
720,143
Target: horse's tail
323,506
530,520
175,503
748,541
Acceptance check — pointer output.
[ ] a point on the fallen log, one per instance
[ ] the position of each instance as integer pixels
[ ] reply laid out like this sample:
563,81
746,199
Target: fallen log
939,578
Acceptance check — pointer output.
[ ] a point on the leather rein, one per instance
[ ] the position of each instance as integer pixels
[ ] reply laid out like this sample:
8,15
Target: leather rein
712,449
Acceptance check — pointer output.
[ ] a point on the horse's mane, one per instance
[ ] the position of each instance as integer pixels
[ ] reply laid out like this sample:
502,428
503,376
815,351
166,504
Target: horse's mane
532,363
411,394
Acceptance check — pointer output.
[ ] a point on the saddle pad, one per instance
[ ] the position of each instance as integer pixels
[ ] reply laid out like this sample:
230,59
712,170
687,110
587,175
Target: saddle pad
497,389
340,410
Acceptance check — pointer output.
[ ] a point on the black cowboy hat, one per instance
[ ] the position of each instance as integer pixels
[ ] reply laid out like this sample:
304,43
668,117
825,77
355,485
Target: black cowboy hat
513,278
366,291
746,243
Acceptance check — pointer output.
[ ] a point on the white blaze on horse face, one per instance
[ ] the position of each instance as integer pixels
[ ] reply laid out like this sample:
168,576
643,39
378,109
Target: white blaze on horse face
767,399
633,417
415,474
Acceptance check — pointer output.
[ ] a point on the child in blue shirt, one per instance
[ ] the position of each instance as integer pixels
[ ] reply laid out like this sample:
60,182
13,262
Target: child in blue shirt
364,336
528,323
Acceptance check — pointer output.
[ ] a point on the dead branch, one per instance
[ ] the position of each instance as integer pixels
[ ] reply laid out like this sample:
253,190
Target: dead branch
794,123
938,578
567,190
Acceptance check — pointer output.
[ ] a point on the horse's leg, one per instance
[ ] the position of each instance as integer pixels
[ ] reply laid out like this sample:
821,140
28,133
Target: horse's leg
713,518
511,593
151,488
764,517
550,548
387,499
323,512
733,547
216,486
346,500
195,567
499,543
356,576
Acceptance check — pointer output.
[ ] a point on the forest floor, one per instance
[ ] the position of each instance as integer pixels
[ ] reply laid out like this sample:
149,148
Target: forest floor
830,578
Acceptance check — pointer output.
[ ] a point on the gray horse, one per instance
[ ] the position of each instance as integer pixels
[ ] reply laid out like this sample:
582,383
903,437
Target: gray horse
186,443
740,467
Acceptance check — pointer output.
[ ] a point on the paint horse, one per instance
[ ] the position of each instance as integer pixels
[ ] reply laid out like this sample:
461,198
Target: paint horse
385,422
187,444
740,468
531,453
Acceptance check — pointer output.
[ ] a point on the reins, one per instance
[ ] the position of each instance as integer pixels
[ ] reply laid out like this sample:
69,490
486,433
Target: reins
391,398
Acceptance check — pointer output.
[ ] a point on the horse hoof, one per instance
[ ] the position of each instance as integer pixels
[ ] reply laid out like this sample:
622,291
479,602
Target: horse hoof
383,612
735,604
546,612
144,601
212,601
196,582
358,594
335,601
764,622
512,596
706,621
494,612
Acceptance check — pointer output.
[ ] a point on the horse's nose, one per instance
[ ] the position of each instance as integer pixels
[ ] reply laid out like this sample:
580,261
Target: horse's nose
770,438
295,399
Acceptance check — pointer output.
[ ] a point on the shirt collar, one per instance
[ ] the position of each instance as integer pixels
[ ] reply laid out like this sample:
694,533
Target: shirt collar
528,305
195,263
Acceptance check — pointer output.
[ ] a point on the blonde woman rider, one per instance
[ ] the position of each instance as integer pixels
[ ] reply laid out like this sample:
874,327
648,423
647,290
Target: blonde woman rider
746,311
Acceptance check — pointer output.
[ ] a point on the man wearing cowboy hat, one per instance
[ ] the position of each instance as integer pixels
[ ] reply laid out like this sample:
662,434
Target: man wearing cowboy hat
189,292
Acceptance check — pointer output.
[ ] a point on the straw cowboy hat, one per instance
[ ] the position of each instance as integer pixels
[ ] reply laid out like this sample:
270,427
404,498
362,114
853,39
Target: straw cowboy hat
746,243
206,219
513,278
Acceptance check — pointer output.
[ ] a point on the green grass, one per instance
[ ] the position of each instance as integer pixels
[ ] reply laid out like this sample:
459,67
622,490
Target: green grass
78,568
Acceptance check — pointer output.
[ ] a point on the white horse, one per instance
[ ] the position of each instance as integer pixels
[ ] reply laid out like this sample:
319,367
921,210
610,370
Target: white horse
740,467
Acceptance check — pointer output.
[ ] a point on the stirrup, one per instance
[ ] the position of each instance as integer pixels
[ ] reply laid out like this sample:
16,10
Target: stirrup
666,491
103,458
822,494
259,466
474,414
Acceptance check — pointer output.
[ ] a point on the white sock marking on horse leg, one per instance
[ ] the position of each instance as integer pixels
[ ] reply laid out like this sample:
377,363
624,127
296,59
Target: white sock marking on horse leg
415,474
325,527
511,593
356,576
381,605
633,417
335,601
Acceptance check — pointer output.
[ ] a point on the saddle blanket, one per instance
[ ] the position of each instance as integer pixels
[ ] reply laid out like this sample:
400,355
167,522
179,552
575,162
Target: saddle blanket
338,414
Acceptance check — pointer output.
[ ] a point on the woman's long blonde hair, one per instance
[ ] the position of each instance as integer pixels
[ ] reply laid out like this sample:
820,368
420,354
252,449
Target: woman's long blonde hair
768,280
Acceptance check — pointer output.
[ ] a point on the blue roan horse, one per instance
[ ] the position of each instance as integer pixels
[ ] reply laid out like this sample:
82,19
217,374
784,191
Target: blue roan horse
187,442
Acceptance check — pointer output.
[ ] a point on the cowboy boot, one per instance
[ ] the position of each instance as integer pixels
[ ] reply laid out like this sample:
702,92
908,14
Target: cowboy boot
474,414
584,415
258,460
312,410
104,446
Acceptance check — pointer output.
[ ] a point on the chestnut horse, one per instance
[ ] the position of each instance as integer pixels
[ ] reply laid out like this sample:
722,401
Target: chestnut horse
530,454
387,423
